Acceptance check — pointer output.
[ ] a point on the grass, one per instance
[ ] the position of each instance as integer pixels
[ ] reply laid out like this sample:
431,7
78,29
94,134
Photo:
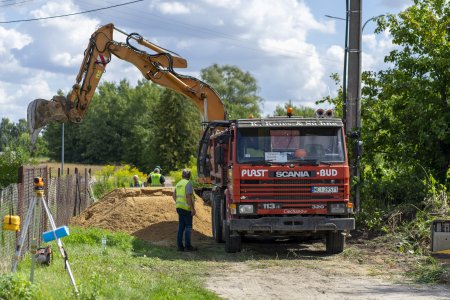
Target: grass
128,269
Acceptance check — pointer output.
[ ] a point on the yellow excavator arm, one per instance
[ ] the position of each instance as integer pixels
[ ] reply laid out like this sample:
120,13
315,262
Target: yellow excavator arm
158,67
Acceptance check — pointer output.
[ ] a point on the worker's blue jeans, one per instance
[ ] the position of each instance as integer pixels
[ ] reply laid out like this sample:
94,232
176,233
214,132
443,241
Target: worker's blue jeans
184,226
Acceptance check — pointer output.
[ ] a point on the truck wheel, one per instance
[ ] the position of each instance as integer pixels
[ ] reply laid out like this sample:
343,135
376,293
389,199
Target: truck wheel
335,242
233,244
216,219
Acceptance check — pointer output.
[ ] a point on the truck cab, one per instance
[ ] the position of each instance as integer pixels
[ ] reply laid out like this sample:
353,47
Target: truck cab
279,176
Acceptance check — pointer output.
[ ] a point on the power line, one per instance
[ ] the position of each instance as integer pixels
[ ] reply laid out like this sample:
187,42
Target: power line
72,14
182,26
15,3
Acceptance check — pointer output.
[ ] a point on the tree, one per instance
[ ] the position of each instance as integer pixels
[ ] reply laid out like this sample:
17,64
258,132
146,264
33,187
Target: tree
300,110
407,113
237,89
13,135
176,131
116,127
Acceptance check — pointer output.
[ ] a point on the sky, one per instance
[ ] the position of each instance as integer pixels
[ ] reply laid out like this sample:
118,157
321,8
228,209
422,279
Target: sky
289,46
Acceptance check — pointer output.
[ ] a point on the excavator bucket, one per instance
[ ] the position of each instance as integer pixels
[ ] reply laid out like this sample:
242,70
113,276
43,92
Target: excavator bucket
41,112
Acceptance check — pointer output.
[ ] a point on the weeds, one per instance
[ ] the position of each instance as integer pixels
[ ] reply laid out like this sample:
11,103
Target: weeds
430,271
17,287
110,177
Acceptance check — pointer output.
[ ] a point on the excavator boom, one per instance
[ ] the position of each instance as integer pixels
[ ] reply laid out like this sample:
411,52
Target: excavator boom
157,67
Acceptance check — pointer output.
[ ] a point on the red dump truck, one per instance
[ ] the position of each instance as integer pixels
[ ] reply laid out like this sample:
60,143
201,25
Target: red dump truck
282,177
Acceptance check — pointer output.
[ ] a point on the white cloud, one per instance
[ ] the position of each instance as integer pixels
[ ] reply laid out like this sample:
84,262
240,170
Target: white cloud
12,39
233,4
375,48
174,8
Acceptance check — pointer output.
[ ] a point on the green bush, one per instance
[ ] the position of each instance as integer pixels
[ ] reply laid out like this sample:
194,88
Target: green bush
16,287
10,161
110,178
176,175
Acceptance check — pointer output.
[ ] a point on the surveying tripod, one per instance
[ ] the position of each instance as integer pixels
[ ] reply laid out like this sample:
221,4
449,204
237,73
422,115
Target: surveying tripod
33,217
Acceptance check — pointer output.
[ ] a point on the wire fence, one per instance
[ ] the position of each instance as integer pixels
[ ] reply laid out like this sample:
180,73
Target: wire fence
67,196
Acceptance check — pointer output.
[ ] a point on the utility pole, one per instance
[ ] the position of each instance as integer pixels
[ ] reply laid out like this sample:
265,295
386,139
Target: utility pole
353,105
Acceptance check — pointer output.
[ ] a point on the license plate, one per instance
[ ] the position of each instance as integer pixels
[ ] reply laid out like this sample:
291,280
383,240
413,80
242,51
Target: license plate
324,189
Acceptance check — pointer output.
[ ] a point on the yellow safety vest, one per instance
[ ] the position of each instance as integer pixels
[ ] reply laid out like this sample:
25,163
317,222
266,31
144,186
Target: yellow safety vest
181,195
155,179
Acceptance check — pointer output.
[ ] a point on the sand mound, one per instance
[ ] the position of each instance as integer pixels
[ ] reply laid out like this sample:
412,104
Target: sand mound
147,213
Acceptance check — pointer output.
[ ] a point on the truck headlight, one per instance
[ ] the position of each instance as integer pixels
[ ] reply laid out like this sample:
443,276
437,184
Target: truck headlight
338,208
246,209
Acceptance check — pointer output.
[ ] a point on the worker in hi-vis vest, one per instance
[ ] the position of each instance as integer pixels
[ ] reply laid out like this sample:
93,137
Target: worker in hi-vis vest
156,178
183,195
136,182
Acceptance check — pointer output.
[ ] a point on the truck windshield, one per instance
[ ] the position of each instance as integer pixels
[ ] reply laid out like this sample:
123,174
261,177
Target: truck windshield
286,145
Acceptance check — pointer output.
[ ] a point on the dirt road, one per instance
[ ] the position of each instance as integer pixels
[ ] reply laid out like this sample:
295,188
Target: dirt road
306,272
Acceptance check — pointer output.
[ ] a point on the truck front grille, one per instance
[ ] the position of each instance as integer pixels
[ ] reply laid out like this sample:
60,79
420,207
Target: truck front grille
282,190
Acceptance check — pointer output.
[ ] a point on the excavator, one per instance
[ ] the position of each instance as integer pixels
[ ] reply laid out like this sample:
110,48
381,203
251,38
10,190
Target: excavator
157,67
283,176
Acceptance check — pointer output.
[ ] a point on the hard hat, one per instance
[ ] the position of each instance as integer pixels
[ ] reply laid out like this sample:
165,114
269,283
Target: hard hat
135,176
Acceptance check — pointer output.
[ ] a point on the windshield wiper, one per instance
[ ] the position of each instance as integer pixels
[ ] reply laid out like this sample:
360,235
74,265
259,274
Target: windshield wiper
276,162
257,162
307,161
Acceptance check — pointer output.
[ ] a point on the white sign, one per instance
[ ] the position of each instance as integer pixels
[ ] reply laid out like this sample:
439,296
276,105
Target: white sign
280,157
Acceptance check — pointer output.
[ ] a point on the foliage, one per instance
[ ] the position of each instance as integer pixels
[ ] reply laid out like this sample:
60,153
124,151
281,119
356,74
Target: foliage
143,126
10,161
16,287
14,149
406,125
111,177
237,89
431,271
409,225
176,131
15,135
192,165
300,110
407,115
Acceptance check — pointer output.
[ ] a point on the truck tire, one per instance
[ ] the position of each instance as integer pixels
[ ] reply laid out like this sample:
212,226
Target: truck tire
233,244
216,220
335,242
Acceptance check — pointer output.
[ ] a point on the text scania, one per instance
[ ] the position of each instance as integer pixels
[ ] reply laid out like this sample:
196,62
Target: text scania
286,174
328,172
253,173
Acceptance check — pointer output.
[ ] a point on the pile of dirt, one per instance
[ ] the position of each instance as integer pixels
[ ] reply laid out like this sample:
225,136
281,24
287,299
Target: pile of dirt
147,213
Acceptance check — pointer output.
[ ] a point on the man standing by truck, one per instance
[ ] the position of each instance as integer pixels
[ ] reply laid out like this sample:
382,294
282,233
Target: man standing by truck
183,195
